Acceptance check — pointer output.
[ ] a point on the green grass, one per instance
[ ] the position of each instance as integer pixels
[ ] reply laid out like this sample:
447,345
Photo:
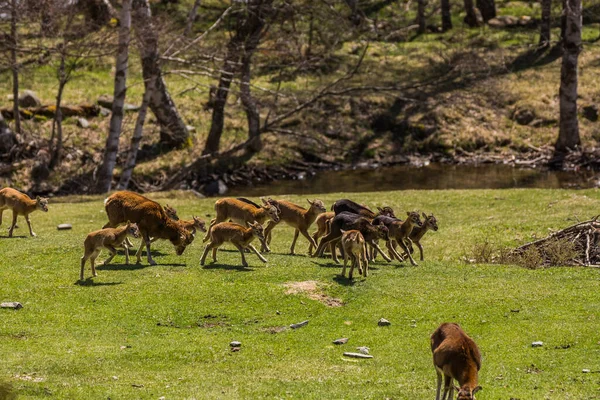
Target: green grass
168,327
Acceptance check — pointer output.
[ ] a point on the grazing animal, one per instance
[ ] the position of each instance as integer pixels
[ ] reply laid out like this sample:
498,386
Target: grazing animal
400,232
151,218
297,217
20,204
355,248
236,234
241,211
110,239
323,221
429,222
455,356
350,221
191,225
346,205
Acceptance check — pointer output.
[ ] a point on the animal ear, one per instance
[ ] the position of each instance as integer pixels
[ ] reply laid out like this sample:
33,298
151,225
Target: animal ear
38,198
265,202
408,213
249,224
424,215
343,231
380,209
128,222
310,202
456,388
477,389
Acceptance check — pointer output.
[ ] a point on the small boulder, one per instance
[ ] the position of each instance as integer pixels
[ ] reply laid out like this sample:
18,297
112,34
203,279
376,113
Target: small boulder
83,123
105,112
64,227
363,350
384,322
8,138
590,112
341,341
15,305
537,344
299,324
235,344
27,98
215,188
106,101
357,355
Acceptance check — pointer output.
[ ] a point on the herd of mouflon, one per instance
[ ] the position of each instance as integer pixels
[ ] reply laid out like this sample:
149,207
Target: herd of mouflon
351,228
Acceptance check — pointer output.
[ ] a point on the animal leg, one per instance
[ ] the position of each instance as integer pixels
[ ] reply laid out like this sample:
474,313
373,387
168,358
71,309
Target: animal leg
268,230
376,247
213,222
352,265
241,249
112,251
214,254
205,253
334,253
363,254
14,223
448,389
296,232
257,253
420,249
138,254
83,260
345,262
393,253
308,237
93,262
147,241
324,242
126,253
439,384
403,245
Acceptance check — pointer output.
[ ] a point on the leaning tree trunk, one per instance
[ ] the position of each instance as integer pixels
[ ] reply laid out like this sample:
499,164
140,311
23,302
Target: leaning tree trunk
545,23
135,143
446,16
568,136
487,9
471,18
173,131
191,18
15,65
56,156
220,98
421,16
105,173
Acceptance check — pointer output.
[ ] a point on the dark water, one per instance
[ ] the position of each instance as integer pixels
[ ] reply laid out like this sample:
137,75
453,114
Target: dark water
433,176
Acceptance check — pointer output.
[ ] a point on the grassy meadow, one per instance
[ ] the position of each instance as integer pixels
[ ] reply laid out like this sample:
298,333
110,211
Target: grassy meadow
150,332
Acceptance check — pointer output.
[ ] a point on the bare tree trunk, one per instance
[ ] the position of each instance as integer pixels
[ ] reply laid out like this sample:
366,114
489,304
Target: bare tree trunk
421,16
135,143
220,98
56,156
191,18
248,101
472,18
15,65
446,16
173,131
487,9
105,173
568,136
545,23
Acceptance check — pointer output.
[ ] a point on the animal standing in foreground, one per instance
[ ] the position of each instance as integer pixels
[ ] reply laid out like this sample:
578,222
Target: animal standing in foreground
236,234
110,239
151,218
355,248
455,356
297,217
20,204
241,212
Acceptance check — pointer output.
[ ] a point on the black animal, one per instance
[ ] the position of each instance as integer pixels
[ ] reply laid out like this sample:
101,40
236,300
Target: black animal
346,205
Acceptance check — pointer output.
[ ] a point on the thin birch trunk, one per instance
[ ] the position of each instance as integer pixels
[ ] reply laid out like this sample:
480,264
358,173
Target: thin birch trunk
191,18
568,137
421,16
173,131
135,143
56,156
105,173
15,65
545,23
446,15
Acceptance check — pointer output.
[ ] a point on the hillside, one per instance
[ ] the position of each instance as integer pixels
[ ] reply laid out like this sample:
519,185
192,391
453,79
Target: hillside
441,95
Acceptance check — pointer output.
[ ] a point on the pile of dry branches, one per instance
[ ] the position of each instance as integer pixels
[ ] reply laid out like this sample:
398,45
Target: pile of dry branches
574,245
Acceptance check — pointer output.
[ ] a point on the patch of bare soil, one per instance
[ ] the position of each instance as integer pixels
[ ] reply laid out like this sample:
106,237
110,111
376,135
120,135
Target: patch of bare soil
313,290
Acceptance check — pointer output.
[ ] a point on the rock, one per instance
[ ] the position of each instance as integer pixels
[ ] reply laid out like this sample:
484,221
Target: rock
83,123
299,324
525,20
496,23
27,98
235,344
215,188
106,101
523,116
363,350
357,355
586,371
537,344
341,341
64,227
105,112
130,107
15,305
384,322
590,112
190,128
8,138
40,171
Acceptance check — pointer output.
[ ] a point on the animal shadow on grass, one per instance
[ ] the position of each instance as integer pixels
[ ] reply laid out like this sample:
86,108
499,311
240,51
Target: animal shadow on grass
121,267
346,281
329,264
89,282
13,237
228,267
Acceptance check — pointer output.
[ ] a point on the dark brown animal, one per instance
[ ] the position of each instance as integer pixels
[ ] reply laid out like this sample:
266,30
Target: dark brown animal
455,356
346,205
323,221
